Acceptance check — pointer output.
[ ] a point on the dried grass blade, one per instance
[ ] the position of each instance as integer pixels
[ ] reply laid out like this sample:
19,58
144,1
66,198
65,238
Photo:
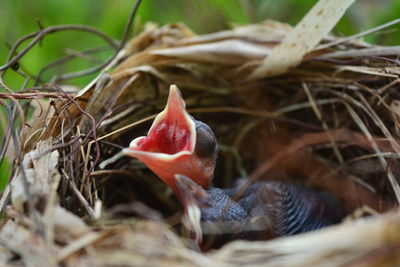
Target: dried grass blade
334,246
325,126
229,52
361,34
78,245
392,179
367,52
318,22
28,245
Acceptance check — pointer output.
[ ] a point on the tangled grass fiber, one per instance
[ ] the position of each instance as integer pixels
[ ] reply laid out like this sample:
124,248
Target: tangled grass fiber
288,104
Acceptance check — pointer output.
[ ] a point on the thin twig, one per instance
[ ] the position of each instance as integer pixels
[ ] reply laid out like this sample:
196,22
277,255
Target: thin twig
358,35
80,73
128,25
325,126
2,85
32,95
64,60
392,179
37,36
117,55
19,162
83,200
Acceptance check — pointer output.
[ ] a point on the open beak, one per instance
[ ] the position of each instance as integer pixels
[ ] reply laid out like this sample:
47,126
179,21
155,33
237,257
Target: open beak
169,147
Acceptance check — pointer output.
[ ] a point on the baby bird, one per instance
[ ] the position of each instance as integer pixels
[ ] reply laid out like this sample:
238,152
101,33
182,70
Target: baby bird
182,151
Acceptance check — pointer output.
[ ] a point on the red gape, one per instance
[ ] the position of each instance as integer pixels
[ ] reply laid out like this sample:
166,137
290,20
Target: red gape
167,137
169,147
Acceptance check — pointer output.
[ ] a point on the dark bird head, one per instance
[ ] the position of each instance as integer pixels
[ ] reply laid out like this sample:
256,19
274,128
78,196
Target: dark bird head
177,144
211,212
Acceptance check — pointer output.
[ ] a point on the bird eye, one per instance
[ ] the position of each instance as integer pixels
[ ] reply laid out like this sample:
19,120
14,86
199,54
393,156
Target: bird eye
206,143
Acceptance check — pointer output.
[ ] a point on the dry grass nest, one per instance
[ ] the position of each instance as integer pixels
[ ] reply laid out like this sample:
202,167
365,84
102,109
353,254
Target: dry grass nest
325,115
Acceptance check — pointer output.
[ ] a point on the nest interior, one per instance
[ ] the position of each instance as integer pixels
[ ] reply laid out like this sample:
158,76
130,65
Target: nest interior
331,122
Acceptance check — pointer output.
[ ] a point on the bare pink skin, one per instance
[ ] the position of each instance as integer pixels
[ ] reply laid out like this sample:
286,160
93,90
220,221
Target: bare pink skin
169,147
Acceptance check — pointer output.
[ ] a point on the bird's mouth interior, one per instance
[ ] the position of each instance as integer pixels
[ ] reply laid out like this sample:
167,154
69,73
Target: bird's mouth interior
173,130
168,136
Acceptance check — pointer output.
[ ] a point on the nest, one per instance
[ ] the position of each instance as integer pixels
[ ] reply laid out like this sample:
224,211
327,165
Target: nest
286,104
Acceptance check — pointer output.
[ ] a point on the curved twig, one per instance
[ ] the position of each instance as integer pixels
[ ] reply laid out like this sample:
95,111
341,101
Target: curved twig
128,26
62,61
38,35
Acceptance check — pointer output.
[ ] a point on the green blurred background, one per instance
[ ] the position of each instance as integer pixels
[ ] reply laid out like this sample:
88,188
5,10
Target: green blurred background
19,17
